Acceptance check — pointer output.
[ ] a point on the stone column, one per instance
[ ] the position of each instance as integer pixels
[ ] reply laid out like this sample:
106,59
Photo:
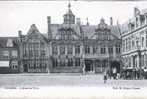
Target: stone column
66,49
58,48
145,60
114,51
91,49
73,61
132,61
73,50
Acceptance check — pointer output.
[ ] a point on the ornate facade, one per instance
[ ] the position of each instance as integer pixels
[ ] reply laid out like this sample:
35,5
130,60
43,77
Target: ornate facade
70,47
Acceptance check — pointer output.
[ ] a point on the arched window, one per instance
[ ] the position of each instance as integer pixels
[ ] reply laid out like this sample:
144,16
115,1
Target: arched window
87,49
103,50
77,49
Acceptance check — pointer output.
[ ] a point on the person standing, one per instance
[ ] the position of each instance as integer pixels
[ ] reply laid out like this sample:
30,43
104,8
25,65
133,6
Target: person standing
105,77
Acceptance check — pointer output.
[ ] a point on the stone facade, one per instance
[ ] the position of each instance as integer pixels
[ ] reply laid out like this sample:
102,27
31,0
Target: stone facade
134,41
34,51
70,47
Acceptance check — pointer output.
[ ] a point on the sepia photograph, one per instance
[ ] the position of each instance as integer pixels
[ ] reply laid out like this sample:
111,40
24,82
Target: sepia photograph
73,49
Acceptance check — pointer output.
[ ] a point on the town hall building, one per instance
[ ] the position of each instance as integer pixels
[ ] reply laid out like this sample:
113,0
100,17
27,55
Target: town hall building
70,47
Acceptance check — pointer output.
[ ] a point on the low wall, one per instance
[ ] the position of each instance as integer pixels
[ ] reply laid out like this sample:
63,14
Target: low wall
37,70
67,70
7,70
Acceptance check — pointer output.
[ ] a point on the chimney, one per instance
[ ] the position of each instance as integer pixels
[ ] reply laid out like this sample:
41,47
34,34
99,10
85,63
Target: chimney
111,21
78,21
87,22
19,33
49,27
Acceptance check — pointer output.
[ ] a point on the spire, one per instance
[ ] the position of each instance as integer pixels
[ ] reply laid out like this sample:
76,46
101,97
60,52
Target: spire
69,17
69,5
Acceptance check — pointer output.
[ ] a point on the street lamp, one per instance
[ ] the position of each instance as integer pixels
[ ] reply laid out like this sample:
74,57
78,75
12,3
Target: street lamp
83,51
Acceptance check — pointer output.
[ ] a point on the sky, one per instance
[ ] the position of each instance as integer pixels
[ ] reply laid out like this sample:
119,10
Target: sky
19,15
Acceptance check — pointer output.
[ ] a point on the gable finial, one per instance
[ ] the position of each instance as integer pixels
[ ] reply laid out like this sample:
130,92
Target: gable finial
69,5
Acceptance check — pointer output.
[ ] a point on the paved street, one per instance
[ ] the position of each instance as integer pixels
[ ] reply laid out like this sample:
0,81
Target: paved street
63,80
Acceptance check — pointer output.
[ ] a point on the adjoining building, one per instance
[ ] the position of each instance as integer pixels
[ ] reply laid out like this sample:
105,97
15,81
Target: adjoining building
8,55
134,41
34,51
71,47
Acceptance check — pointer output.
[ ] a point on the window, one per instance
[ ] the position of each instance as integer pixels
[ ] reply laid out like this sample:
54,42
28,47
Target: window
6,54
55,50
14,53
110,50
69,34
123,45
142,41
42,52
62,63
69,49
117,49
87,49
77,62
77,49
133,44
30,53
55,63
62,50
103,50
142,60
146,38
129,43
70,62
94,49
36,53
63,36
136,22
42,45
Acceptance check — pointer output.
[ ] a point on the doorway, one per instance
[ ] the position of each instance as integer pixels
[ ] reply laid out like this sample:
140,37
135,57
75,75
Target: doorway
25,68
88,65
115,65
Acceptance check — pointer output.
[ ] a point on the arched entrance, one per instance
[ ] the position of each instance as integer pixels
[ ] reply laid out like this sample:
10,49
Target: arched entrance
115,65
88,65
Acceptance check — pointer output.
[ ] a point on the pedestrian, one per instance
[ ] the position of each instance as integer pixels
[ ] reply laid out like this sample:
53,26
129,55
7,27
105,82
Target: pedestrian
114,73
105,77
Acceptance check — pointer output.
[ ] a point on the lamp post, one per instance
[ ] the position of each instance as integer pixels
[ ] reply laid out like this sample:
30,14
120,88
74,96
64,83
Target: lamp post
83,51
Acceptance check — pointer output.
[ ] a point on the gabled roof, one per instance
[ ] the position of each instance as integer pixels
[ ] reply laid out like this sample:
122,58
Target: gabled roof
88,30
34,29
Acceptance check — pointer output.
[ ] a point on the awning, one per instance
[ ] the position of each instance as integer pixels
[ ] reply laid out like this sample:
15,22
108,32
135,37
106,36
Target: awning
4,63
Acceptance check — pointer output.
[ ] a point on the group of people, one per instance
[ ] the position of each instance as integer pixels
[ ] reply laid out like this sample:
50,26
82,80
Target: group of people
114,74
111,74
